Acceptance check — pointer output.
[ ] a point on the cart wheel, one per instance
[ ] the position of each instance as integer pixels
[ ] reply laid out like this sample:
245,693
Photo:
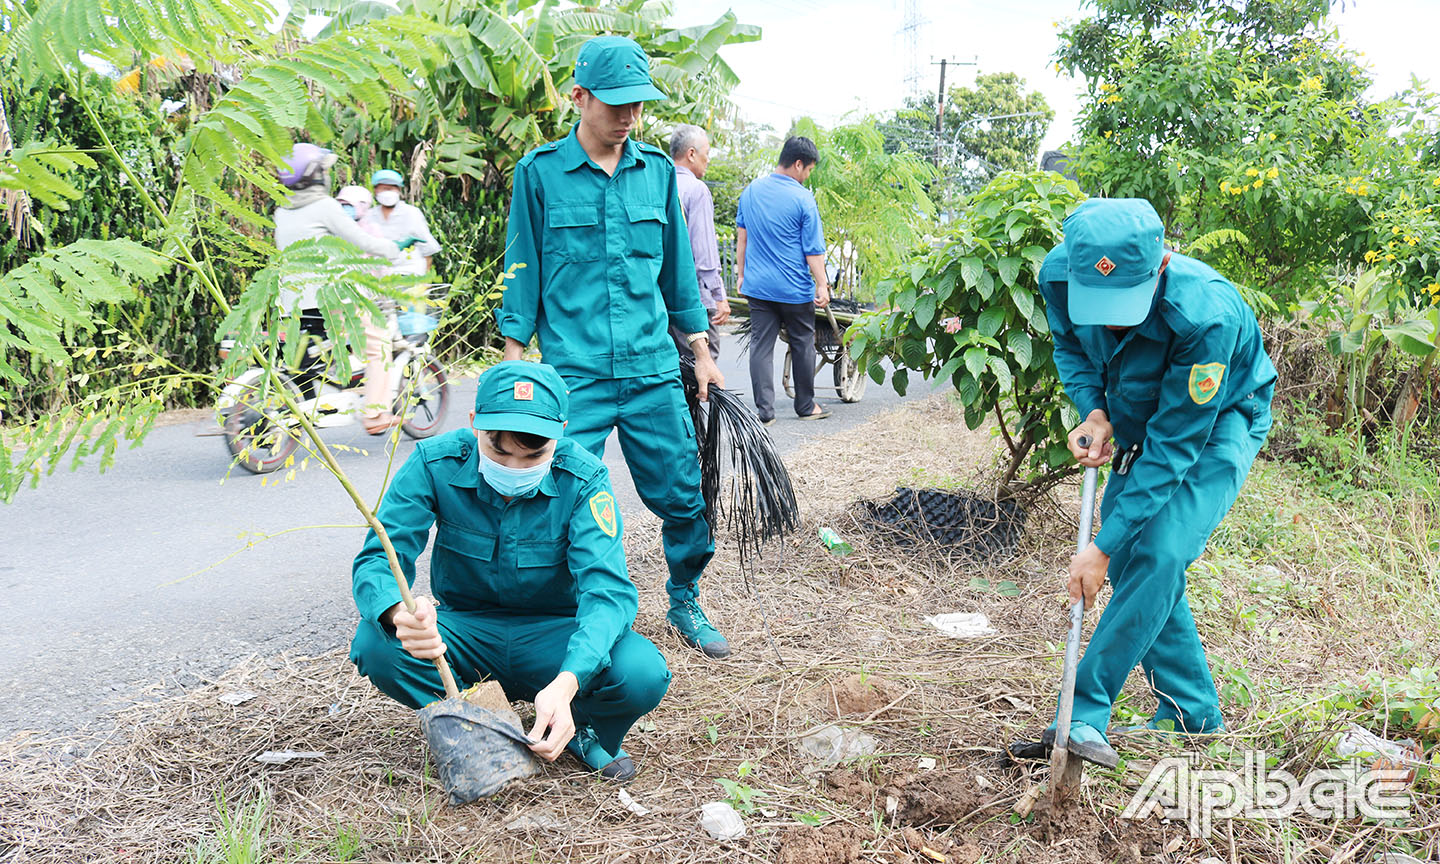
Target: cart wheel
787,379
850,379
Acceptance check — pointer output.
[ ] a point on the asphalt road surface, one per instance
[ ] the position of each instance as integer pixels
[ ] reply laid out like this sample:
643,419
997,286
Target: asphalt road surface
166,570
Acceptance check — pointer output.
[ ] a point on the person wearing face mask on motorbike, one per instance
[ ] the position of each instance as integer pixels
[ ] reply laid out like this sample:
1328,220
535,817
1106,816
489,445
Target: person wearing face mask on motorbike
528,571
311,212
397,221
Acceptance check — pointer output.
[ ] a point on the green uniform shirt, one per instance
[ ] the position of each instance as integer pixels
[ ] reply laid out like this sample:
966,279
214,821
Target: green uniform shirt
1162,383
607,262
555,550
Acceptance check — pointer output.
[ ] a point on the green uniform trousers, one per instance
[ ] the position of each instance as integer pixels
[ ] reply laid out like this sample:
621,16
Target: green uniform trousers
658,440
1147,619
524,654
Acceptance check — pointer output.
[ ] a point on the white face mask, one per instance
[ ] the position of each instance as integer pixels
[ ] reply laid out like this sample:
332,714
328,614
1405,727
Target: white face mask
388,198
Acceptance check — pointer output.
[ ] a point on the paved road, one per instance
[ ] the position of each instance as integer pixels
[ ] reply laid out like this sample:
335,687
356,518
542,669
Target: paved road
139,581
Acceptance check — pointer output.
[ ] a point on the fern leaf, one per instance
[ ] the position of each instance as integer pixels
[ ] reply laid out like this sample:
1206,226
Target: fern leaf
37,168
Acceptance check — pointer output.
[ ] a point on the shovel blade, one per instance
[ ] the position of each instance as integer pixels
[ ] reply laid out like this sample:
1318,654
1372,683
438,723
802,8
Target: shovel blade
1065,776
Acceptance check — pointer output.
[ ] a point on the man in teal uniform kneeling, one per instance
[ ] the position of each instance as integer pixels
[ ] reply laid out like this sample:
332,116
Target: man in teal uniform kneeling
528,572
596,223
1165,363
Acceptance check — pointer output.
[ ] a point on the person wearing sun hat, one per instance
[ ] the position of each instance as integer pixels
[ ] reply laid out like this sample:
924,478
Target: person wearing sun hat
599,267
1167,369
401,222
528,572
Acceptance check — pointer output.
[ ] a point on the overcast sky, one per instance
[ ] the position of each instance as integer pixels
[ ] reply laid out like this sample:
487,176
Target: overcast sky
827,58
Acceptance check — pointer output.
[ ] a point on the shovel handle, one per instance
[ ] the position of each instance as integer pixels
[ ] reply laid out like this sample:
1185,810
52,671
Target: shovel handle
1077,613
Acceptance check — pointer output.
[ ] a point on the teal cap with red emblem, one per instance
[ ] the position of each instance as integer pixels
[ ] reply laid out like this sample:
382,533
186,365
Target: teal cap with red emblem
518,396
1114,248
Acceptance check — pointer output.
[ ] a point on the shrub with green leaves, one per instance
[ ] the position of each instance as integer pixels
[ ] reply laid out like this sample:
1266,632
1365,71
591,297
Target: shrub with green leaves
970,312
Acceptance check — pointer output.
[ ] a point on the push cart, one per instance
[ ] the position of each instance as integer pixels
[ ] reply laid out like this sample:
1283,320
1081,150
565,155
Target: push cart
830,349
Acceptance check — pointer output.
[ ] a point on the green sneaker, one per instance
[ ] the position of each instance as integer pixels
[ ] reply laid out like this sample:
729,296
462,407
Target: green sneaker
586,747
690,622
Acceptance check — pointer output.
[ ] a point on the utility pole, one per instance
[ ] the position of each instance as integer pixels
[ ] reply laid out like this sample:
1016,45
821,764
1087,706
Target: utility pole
940,102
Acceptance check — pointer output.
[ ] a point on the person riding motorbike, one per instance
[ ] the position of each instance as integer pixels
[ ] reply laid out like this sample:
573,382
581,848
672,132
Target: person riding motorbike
311,212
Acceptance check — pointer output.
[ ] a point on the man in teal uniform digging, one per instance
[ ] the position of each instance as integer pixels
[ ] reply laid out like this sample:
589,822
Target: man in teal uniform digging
528,572
606,267
1165,363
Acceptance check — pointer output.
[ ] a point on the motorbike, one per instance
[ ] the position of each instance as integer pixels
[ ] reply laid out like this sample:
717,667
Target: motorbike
261,435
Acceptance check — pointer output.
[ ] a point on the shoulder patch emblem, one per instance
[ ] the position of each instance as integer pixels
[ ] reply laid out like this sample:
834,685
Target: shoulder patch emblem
602,507
1205,381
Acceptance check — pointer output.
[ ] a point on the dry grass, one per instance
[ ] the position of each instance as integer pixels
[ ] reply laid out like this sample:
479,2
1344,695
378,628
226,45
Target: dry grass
849,642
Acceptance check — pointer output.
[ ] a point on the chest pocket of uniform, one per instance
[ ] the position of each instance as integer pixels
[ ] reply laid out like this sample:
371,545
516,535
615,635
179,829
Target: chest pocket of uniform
458,584
573,233
543,575
647,229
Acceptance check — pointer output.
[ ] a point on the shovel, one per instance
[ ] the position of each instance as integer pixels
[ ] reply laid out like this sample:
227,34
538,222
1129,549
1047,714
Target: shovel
1065,773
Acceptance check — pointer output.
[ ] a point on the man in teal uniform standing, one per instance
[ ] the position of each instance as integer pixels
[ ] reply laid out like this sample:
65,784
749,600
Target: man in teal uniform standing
528,572
1165,363
606,267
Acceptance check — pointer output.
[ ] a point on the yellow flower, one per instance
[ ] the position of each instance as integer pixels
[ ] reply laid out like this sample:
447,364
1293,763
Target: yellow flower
1258,183
1272,136
1389,257
1435,182
1273,173
1224,185
1362,190
1410,240
1371,255
1108,133
1433,287
1395,229
1350,189
1236,190
1251,172
1113,97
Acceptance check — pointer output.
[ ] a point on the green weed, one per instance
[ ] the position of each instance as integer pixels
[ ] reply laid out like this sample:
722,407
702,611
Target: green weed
241,833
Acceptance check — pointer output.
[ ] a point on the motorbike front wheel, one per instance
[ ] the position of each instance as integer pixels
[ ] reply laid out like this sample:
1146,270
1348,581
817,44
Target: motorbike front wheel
423,396
255,432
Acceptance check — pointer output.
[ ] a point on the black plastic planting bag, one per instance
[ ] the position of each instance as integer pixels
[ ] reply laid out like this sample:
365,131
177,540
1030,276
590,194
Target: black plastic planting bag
476,751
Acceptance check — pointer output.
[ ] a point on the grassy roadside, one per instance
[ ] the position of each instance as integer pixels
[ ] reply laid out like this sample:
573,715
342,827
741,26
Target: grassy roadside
1317,602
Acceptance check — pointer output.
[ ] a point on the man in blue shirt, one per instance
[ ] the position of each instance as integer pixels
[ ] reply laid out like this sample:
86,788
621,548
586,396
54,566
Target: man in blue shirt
780,269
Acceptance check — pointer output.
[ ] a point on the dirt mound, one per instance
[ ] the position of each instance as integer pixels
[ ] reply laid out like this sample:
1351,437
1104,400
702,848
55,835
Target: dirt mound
848,786
864,695
833,844
938,799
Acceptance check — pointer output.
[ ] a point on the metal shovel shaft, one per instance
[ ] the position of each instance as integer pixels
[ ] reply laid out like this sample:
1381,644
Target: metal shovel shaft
1077,615
1066,773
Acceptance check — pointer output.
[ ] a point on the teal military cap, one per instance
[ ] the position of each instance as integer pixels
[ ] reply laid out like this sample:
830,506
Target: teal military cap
517,396
1114,247
616,70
